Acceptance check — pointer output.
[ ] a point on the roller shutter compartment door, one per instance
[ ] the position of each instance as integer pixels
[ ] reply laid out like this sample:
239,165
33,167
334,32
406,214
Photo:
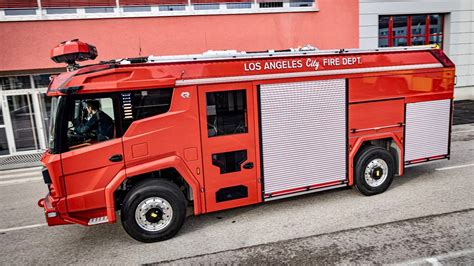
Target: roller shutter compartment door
427,129
303,134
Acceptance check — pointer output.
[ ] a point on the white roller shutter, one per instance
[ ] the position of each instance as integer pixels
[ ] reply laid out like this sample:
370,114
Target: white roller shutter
427,129
303,128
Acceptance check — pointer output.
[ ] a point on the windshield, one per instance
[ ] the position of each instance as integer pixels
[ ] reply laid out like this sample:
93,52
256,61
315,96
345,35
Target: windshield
52,125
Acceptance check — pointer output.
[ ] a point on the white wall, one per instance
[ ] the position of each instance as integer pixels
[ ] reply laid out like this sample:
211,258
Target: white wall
458,30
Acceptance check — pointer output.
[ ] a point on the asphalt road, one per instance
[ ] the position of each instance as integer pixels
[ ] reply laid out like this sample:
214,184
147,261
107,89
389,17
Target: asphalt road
426,217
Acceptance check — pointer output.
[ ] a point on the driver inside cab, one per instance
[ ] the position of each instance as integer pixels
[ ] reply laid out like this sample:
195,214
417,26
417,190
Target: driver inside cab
97,125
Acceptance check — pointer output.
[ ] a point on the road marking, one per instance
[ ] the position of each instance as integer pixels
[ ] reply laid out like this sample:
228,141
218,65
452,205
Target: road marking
21,227
20,175
462,131
435,260
454,167
20,181
455,254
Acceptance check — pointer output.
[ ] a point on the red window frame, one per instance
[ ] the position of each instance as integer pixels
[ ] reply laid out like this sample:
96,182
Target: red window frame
409,35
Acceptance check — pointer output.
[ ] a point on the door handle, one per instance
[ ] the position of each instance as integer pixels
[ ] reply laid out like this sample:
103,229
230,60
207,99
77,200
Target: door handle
116,158
248,165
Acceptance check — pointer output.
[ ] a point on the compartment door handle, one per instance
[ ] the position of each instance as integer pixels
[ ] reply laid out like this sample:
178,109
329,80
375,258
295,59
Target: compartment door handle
116,158
248,165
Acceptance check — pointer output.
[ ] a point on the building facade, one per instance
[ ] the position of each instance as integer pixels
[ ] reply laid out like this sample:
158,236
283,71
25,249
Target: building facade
130,28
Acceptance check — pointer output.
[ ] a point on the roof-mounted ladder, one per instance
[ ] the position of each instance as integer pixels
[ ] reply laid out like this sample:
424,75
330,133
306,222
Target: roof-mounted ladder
303,51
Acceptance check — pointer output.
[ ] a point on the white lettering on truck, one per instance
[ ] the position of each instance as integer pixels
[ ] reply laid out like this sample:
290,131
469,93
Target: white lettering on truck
297,64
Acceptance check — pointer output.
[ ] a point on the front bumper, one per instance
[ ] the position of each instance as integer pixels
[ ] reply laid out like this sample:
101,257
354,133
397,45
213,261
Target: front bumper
51,212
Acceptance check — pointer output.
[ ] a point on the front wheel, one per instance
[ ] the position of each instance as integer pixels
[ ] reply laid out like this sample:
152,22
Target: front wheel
154,210
374,171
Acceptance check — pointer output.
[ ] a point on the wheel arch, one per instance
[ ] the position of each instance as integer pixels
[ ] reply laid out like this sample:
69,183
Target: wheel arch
389,141
150,170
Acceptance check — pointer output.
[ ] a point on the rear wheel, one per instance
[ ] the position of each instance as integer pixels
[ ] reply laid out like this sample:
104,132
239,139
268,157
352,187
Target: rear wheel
374,171
154,210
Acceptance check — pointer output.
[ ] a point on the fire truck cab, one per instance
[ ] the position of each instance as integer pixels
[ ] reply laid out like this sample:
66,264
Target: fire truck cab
145,138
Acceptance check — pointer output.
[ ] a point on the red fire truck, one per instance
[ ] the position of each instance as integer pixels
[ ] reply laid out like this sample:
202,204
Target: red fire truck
145,139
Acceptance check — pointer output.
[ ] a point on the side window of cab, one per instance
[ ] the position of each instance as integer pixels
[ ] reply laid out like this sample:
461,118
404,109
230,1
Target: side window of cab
141,104
90,120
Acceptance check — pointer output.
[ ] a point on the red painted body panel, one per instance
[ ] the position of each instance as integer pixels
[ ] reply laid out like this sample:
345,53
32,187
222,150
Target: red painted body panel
368,116
375,120
160,75
87,171
178,139
53,163
407,85
165,140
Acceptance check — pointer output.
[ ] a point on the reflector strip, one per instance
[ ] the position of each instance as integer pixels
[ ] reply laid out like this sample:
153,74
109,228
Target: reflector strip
98,220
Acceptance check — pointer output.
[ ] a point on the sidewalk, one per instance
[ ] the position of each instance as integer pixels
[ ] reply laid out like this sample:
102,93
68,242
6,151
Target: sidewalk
20,161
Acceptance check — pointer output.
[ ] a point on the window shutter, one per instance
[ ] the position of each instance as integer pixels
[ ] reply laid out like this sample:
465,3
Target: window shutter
76,3
18,4
219,1
152,2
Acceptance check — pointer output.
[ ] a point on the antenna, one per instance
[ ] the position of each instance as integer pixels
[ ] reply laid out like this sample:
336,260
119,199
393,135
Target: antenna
139,46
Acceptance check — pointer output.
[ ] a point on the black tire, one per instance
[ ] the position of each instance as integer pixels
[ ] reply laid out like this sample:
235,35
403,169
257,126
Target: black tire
367,155
153,189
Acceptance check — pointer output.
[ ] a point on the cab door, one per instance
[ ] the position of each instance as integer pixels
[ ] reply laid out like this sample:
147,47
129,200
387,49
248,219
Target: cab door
90,164
228,145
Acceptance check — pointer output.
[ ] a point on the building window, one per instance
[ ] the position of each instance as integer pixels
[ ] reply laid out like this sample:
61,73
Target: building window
301,3
172,8
60,11
271,4
206,6
238,5
137,9
20,12
15,83
95,10
41,81
411,30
